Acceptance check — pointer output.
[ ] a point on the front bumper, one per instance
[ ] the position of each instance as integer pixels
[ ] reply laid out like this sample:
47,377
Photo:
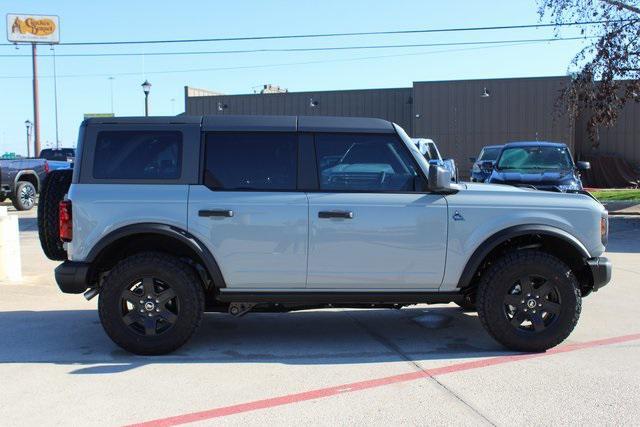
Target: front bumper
72,277
600,271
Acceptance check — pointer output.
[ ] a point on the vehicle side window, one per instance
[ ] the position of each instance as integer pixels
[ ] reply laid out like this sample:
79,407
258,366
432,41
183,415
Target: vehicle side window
363,162
247,161
138,155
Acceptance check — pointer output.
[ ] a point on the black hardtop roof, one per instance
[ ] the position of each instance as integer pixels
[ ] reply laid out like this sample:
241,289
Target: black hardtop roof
232,123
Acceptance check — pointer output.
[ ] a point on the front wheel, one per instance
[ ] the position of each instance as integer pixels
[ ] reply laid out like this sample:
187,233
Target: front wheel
529,301
151,303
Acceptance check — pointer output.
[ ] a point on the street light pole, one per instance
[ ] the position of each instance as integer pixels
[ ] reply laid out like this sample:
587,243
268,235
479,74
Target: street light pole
28,124
111,87
55,95
36,108
146,88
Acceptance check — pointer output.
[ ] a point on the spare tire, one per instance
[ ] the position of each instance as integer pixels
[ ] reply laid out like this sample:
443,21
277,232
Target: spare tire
55,186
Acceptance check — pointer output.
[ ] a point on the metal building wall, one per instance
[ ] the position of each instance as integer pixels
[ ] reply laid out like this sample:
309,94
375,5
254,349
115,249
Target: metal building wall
622,139
390,104
461,121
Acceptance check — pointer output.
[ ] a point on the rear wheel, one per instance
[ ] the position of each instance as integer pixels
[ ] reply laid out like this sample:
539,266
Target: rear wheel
151,303
529,301
24,197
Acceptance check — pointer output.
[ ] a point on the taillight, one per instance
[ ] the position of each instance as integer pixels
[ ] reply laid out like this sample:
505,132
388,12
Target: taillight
66,223
46,167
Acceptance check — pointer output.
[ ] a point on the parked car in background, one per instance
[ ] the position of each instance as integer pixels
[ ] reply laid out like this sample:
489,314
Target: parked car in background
20,180
541,165
430,151
58,158
483,164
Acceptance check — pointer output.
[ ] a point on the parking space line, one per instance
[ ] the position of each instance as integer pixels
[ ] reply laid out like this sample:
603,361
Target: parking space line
373,383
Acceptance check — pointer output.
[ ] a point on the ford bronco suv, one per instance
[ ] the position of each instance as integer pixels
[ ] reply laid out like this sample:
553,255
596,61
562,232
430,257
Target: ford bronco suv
168,217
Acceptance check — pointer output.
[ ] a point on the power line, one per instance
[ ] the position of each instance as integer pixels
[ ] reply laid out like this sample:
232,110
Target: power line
309,49
319,35
245,67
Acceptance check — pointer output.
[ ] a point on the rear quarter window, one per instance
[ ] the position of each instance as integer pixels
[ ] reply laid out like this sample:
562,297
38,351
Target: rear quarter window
138,155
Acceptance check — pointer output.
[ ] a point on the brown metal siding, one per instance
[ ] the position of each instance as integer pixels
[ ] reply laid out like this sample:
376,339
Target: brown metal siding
389,104
622,139
462,122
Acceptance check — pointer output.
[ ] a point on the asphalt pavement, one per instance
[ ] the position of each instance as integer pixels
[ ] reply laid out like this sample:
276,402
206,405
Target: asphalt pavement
415,366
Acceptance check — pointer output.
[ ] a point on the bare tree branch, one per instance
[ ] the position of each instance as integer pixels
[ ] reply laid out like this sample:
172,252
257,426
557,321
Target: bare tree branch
623,5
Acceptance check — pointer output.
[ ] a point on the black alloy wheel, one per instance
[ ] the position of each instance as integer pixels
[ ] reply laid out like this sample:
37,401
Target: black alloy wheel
532,304
149,306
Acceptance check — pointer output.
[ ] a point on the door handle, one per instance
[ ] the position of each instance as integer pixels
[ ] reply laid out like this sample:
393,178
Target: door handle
216,212
336,214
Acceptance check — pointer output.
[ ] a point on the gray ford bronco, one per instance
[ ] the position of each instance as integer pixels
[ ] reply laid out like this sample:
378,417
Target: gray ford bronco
168,217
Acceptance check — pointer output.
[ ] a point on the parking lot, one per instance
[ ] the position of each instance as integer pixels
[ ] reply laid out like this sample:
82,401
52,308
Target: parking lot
418,365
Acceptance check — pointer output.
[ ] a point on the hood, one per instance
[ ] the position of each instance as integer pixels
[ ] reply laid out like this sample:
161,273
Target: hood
477,186
549,177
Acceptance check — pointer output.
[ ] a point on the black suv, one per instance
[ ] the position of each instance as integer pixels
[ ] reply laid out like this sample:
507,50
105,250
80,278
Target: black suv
541,165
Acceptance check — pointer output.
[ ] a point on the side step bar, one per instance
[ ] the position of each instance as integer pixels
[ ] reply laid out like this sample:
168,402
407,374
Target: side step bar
340,297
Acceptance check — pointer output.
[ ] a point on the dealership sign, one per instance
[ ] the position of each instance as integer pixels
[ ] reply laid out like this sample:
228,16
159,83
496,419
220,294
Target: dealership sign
33,28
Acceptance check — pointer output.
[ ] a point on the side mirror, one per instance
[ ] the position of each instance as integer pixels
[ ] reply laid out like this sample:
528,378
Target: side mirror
487,165
472,159
583,166
439,179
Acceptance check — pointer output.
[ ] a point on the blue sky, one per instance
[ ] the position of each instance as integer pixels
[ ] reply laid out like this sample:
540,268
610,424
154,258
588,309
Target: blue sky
84,87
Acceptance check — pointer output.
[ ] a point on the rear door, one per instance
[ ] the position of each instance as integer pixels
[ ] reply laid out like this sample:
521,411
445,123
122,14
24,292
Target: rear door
248,210
369,228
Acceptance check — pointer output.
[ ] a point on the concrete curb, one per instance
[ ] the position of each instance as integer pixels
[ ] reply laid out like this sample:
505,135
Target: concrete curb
623,208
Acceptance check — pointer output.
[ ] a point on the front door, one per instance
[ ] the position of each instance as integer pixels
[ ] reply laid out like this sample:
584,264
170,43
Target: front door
368,228
248,212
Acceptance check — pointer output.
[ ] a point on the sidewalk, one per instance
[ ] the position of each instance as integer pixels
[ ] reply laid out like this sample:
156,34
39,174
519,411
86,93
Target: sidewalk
623,208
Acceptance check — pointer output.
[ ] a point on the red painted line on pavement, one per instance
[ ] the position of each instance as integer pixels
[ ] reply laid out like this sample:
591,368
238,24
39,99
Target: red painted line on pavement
378,382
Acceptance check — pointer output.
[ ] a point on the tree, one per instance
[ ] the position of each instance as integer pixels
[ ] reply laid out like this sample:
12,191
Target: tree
606,73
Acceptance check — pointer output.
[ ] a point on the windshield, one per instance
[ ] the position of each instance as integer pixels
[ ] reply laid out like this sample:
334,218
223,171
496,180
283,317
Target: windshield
489,153
538,158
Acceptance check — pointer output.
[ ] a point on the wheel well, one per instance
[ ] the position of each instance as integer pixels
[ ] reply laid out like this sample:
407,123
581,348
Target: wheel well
29,177
129,245
553,245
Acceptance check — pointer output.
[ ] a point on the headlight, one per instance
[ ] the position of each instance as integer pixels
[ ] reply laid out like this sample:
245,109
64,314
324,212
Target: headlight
604,228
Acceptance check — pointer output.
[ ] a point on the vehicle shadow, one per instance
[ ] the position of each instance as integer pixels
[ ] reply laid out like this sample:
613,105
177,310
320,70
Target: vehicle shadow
348,336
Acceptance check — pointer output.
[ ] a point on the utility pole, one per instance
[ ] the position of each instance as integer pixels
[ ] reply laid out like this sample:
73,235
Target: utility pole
55,95
36,108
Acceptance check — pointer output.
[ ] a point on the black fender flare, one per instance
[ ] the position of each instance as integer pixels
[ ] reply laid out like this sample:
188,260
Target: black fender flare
210,263
502,236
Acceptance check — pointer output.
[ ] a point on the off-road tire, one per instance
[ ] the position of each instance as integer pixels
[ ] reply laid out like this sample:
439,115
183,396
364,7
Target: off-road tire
178,275
498,279
17,201
54,188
